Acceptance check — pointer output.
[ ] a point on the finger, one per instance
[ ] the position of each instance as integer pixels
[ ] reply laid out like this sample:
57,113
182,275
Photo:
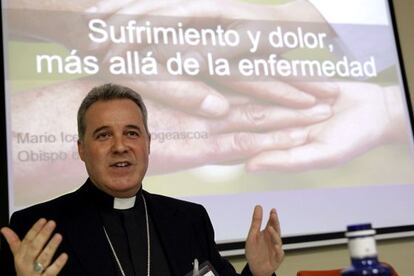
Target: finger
45,257
273,227
309,156
103,10
277,92
137,8
255,117
275,221
36,228
277,246
11,238
138,15
35,246
237,146
236,52
57,265
256,221
102,7
191,10
121,13
190,96
269,221
214,17
223,149
326,89
275,239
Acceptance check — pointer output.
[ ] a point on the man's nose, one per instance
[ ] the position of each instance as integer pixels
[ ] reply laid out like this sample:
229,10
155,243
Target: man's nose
119,145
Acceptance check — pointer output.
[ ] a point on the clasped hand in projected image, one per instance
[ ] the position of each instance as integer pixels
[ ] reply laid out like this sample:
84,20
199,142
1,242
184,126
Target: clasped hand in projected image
270,123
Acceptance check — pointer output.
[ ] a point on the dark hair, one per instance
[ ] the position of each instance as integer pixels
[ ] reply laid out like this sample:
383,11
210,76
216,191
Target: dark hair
108,92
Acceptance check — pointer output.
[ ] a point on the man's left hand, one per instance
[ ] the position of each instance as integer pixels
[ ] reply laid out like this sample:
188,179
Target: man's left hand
264,251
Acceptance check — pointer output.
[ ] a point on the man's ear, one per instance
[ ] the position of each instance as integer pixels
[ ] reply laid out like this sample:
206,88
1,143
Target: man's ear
81,150
149,143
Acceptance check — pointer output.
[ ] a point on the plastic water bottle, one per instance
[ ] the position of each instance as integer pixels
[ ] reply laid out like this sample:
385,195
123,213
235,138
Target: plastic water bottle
363,251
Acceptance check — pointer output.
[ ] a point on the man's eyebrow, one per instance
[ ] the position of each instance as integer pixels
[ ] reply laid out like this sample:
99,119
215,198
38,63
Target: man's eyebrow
107,127
134,127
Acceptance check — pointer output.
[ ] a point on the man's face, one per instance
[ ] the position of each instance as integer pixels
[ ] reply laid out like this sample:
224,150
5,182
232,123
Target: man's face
115,146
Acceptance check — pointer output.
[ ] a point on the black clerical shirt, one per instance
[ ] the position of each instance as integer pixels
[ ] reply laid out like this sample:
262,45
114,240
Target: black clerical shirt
127,231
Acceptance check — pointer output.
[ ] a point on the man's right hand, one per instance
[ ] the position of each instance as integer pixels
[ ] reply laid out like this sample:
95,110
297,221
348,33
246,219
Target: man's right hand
33,255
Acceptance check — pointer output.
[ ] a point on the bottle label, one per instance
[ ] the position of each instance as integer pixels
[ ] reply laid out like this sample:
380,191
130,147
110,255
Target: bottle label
362,247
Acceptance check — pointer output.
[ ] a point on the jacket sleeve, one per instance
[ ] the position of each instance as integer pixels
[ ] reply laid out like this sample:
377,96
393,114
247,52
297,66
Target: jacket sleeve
6,259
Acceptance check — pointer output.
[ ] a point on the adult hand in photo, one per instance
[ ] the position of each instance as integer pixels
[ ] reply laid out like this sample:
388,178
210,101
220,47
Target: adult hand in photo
248,129
187,140
196,94
366,116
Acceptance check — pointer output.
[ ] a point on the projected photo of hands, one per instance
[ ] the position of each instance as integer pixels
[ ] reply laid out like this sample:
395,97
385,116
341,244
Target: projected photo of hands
242,96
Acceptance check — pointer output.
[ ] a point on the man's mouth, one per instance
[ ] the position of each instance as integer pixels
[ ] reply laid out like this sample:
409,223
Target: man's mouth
121,164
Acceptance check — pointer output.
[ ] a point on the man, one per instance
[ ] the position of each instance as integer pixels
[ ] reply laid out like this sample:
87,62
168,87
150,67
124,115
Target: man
110,226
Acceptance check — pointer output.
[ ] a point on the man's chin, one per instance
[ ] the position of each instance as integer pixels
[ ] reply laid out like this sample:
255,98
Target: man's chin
124,190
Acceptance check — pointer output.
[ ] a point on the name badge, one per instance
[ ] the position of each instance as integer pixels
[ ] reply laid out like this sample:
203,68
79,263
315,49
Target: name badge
205,269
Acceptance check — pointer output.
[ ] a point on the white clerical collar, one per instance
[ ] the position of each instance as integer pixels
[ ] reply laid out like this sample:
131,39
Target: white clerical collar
124,203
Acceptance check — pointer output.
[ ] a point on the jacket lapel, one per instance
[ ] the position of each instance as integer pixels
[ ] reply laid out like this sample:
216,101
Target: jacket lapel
173,233
85,235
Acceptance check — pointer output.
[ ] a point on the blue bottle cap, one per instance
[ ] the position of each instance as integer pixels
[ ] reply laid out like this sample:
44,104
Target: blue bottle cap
359,230
359,227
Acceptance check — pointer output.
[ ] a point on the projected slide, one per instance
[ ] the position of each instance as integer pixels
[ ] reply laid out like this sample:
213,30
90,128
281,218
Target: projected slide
297,105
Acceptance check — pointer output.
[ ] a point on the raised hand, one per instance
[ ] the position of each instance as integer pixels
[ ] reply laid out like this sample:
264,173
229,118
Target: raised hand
34,254
264,251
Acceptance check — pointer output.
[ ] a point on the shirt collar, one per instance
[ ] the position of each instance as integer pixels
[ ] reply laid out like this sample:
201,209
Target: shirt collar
124,203
106,201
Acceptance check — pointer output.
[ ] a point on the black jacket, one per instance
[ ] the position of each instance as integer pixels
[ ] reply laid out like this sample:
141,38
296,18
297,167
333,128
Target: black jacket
184,229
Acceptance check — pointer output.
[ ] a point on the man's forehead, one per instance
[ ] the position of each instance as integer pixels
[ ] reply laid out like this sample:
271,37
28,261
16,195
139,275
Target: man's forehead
110,112
114,104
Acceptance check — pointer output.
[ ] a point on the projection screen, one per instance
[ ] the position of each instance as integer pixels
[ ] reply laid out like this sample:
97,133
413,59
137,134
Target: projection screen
297,105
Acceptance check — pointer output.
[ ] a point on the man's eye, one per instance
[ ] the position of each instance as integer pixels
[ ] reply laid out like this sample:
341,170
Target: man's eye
132,133
103,135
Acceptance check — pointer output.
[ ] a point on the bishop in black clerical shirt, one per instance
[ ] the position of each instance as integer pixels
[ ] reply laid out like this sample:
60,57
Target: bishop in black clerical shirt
110,210
124,220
